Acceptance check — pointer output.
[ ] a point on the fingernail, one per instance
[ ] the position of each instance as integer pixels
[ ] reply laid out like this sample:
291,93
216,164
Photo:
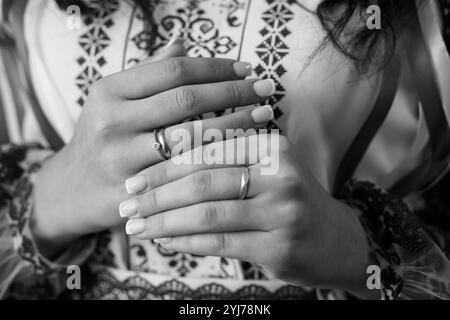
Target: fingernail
262,114
174,40
242,69
163,241
128,208
264,88
136,184
135,226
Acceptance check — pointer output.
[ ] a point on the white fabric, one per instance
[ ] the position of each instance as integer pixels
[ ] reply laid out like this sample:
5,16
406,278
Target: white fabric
9,107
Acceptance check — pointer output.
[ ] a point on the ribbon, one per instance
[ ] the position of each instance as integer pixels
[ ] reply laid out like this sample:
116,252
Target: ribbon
373,123
425,50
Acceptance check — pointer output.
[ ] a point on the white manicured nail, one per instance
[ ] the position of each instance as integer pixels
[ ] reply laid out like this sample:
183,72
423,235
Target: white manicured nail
264,88
136,184
135,226
129,208
242,69
262,114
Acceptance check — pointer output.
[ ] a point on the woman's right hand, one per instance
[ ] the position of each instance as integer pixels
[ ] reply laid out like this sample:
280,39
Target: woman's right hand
78,191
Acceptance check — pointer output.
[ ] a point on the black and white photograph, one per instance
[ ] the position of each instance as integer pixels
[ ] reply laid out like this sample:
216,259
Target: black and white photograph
246,151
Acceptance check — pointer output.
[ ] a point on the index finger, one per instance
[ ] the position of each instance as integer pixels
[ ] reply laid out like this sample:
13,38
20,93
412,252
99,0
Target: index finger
152,78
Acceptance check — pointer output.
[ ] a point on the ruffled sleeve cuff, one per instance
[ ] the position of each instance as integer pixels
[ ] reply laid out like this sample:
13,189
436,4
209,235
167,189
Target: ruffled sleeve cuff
412,265
24,272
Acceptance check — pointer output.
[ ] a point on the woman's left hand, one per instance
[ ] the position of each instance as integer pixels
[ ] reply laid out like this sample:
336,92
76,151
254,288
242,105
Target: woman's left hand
288,223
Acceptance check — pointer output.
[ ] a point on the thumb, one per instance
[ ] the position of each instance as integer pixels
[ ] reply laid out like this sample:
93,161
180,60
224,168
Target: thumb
174,48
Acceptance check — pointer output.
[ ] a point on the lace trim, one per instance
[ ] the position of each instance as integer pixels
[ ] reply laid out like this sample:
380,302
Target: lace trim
106,286
412,265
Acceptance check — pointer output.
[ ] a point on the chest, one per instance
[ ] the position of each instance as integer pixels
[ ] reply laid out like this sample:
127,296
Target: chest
277,37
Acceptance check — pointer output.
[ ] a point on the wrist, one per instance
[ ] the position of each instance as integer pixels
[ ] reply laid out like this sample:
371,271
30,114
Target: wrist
50,225
355,257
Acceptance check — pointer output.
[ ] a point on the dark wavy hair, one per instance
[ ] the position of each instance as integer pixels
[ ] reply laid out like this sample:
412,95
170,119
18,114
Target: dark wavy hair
344,22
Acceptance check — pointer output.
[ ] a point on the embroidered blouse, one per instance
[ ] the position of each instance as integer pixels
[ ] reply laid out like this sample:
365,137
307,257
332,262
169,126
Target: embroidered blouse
320,107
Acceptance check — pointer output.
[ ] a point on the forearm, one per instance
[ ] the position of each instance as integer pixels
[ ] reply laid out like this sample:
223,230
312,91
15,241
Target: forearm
52,229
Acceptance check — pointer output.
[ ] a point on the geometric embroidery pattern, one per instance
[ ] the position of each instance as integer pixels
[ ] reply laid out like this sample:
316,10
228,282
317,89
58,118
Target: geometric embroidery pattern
232,7
182,262
203,37
273,49
94,42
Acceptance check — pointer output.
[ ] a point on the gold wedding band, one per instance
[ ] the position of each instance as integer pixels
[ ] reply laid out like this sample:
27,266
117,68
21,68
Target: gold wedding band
245,180
161,145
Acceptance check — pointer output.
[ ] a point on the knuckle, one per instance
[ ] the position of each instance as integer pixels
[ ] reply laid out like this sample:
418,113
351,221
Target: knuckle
157,178
222,242
162,225
175,67
210,216
98,88
292,214
105,128
291,211
288,175
202,181
111,160
239,121
284,145
104,125
100,126
106,158
185,99
102,119
219,68
285,253
235,91
180,138
153,201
